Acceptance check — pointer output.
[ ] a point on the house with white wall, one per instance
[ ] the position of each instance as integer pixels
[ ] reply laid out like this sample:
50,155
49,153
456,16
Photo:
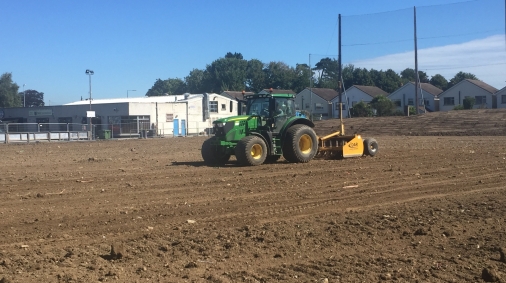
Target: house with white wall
501,98
357,93
484,95
405,96
317,101
172,115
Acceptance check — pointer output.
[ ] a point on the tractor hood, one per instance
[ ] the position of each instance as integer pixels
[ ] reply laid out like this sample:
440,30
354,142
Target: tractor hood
231,119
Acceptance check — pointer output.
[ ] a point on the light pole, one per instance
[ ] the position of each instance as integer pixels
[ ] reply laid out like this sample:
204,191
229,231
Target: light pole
89,73
24,96
130,90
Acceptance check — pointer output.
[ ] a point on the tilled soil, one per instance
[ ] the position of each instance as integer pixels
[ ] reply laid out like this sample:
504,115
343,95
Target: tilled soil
425,209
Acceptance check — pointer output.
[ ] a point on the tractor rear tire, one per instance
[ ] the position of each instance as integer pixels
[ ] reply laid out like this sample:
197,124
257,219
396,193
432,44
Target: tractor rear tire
251,151
211,154
300,144
370,147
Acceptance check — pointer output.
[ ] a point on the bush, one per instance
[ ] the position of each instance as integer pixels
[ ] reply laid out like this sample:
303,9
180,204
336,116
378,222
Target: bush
458,107
361,109
469,102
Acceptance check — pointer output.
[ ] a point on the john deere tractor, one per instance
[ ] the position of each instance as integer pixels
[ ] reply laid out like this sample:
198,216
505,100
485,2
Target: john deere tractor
271,128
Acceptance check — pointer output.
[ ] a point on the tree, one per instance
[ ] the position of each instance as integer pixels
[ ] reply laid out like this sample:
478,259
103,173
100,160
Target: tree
32,98
469,102
158,89
439,81
383,105
328,73
255,76
194,81
279,75
9,92
175,86
408,75
226,74
361,109
233,56
460,76
302,73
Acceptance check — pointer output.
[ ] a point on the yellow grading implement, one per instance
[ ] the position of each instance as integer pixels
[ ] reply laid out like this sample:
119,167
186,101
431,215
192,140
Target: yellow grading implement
338,145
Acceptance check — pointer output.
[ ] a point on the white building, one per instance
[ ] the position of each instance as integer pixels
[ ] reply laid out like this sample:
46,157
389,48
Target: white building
501,98
174,115
405,96
483,94
317,101
357,93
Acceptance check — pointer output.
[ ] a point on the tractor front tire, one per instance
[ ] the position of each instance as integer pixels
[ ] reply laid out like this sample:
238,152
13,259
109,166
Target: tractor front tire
213,155
370,147
300,144
251,151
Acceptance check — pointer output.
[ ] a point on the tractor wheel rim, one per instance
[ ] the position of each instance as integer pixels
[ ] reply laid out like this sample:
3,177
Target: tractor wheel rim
305,144
256,151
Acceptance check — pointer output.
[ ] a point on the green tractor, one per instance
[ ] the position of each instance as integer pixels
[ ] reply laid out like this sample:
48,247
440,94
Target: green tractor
270,129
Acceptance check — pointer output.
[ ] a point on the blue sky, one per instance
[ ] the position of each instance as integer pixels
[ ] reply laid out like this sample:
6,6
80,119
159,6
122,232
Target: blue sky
48,45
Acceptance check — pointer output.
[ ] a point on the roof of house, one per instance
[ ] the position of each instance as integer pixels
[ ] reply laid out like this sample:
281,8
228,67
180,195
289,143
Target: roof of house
480,84
483,85
236,94
430,89
373,91
325,93
143,99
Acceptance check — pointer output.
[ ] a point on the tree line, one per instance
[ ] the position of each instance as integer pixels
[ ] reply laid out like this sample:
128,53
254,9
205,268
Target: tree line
11,97
234,73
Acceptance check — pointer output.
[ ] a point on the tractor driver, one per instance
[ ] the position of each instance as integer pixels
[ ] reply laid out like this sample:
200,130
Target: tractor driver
280,114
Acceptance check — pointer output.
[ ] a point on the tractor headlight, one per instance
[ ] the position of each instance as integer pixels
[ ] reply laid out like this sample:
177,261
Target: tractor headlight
219,125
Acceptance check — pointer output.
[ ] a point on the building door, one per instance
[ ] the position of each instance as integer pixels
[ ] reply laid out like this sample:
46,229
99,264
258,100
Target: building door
183,127
176,127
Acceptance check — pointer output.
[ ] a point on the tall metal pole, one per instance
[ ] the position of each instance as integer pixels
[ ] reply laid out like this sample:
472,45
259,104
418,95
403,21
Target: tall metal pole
417,81
339,73
89,75
310,89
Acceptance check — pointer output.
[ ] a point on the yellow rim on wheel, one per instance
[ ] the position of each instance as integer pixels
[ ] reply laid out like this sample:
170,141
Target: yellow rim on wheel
256,151
305,144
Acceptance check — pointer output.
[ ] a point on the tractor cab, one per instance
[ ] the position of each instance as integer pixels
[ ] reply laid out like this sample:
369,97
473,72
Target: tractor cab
274,110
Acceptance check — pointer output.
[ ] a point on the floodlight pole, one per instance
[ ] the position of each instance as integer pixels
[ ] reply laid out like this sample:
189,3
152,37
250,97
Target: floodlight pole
90,73
24,96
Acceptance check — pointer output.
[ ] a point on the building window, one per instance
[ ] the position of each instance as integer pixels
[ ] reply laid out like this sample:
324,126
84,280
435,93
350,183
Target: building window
410,101
449,101
223,107
427,102
503,99
337,106
307,106
297,106
397,102
318,106
480,100
213,106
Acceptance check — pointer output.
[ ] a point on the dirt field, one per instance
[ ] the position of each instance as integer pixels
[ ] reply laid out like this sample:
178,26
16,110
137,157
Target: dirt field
425,209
